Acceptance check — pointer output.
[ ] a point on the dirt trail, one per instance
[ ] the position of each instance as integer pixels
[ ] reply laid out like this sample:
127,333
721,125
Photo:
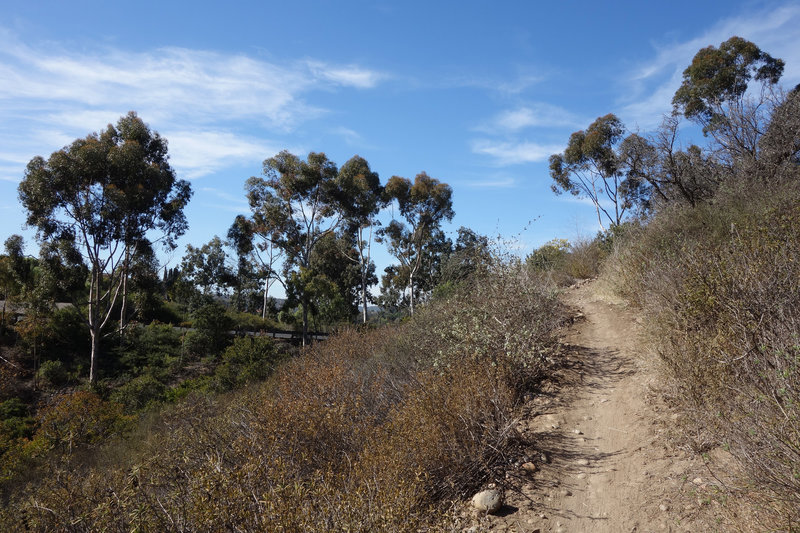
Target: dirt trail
603,463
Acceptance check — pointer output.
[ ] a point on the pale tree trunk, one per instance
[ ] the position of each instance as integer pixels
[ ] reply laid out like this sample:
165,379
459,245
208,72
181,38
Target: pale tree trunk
124,295
411,290
305,322
95,321
95,349
364,263
364,297
94,293
266,295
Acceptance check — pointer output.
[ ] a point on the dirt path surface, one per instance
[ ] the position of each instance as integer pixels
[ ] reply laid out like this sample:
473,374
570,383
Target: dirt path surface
602,461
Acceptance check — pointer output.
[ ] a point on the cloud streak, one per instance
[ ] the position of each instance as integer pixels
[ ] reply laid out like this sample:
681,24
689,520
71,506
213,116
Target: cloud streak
200,100
535,115
513,152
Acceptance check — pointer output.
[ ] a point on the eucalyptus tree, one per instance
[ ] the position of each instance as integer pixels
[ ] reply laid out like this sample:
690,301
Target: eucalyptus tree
105,193
257,251
361,199
424,204
295,205
207,268
714,93
593,167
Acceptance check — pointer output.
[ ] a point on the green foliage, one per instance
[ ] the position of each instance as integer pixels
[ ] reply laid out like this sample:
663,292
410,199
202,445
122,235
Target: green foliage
206,268
153,346
140,393
212,325
248,359
720,76
53,373
15,422
551,255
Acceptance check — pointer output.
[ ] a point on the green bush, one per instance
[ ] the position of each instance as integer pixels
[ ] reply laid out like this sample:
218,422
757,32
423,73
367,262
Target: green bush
213,324
153,346
140,393
53,373
247,359
15,422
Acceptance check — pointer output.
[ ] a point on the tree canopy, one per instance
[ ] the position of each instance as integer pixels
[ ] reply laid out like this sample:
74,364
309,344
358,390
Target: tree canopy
424,204
106,192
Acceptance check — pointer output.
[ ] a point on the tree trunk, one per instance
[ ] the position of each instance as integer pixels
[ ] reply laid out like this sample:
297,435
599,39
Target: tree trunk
95,348
266,295
411,289
305,322
94,294
364,295
124,296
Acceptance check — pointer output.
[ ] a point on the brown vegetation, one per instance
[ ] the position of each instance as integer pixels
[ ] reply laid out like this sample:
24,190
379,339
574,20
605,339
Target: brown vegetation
370,431
720,288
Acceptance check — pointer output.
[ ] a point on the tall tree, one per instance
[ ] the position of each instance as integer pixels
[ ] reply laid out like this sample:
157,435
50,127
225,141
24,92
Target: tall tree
592,167
255,243
714,93
424,204
207,268
297,203
361,193
106,192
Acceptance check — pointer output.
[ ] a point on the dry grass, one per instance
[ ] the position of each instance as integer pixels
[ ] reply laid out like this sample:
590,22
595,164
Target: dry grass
370,431
720,285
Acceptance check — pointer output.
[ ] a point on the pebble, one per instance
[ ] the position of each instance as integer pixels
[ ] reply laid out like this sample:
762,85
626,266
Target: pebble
697,481
582,475
664,507
565,492
583,462
529,467
577,431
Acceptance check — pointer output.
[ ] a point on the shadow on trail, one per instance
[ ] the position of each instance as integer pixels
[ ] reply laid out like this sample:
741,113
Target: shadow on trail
565,454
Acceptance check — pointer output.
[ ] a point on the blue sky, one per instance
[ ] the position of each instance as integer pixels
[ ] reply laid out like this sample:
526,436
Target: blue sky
477,94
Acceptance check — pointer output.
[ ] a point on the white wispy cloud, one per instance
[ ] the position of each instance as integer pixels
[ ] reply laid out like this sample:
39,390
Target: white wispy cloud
499,182
534,115
199,152
513,153
650,86
201,101
350,136
347,75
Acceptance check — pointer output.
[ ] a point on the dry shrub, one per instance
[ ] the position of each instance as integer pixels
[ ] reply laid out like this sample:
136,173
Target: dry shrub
721,286
369,431
584,259
505,318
